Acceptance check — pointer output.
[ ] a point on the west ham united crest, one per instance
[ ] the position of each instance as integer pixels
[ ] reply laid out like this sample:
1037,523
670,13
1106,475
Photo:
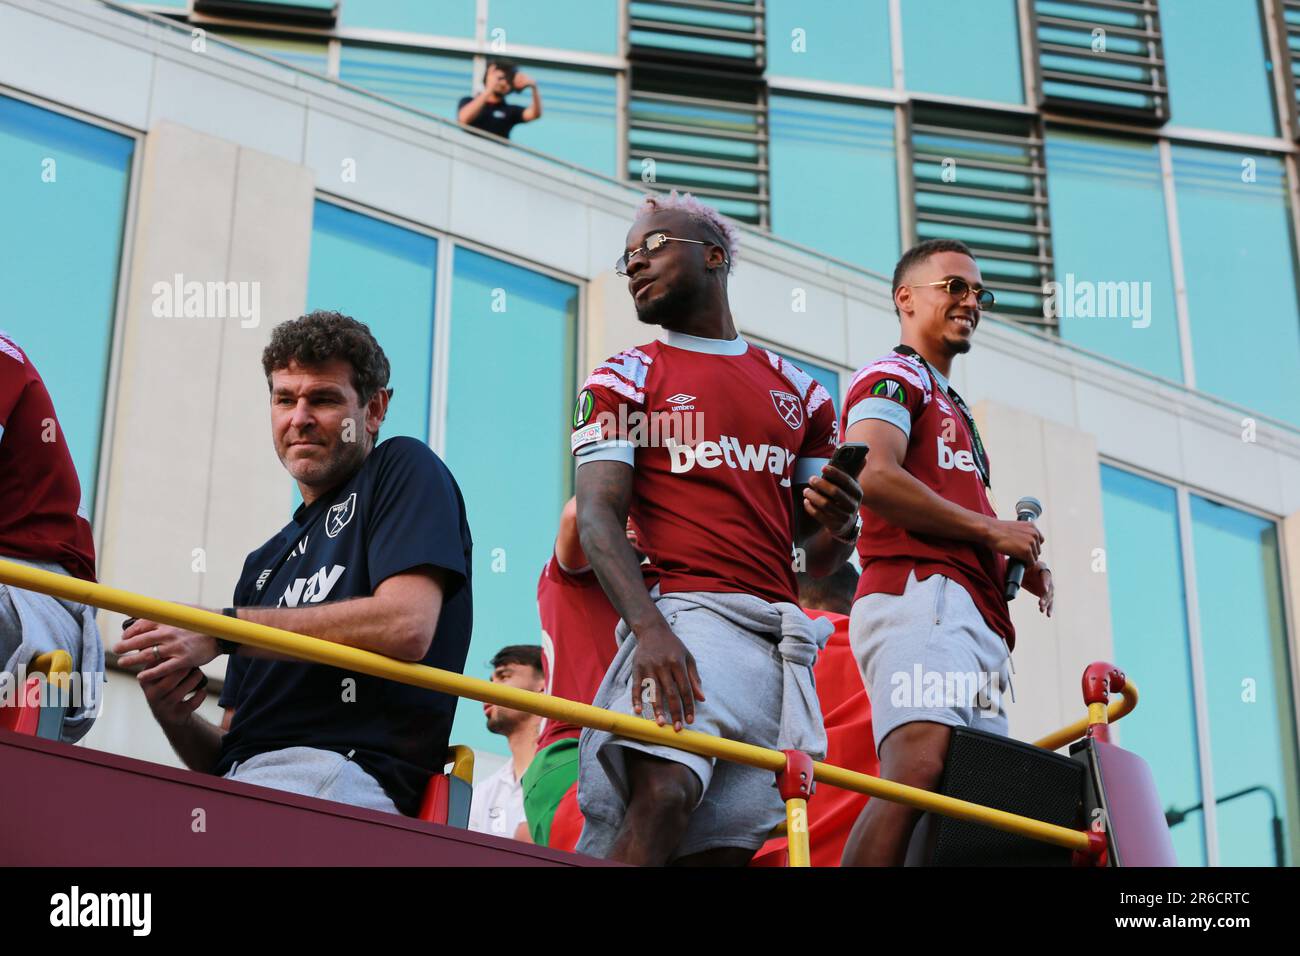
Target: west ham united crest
339,515
788,407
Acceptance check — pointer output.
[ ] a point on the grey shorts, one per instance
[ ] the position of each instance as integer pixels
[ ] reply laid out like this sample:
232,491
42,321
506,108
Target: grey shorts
742,676
314,773
926,654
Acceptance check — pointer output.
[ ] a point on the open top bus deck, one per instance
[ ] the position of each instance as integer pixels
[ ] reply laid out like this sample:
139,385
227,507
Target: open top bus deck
1096,807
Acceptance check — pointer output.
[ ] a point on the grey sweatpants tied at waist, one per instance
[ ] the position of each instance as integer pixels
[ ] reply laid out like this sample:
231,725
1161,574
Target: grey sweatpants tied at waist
32,624
796,638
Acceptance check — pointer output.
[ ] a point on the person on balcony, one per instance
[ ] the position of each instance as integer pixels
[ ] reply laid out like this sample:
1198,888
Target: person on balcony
488,110
377,557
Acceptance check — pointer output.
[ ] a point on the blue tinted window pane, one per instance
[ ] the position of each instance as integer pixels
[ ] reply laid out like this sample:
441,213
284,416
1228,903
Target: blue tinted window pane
579,120
963,49
1215,66
590,25
1149,624
834,179
453,18
430,82
844,41
513,344
382,275
1116,288
1247,685
63,191
1239,261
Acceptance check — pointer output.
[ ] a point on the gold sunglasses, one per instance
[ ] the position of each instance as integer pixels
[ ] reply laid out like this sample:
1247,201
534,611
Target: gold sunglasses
957,287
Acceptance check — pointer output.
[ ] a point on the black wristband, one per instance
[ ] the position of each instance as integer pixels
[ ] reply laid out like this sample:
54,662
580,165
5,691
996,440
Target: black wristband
223,645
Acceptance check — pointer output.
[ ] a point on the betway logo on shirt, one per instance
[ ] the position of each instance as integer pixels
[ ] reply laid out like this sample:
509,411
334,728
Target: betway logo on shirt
730,452
948,459
311,590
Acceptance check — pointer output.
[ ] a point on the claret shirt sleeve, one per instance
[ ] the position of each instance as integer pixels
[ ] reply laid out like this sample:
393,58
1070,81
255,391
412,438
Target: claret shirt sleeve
890,389
13,380
415,516
607,406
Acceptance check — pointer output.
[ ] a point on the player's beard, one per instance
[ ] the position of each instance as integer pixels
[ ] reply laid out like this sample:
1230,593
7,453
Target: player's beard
958,346
672,303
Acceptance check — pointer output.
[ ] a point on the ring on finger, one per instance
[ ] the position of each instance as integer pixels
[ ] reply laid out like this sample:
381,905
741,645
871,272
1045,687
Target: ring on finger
157,655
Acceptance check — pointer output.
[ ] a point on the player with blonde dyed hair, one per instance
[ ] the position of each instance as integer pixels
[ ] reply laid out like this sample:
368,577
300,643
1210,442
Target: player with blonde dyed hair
720,513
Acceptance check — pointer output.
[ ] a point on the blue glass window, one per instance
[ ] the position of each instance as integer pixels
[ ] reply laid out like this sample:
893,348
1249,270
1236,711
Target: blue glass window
963,49
590,25
1239,259
1216,67
843,41
1247,679
579,121
1148,613
1116,293
511,360
834,178
453,18
382,275
431,82
63,192
1249,703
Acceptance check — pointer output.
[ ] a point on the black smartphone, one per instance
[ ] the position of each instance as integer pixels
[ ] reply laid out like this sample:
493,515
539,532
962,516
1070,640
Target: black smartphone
850,457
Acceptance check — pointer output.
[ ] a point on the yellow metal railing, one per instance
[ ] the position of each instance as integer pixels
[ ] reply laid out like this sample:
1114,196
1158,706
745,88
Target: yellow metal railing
320,651
1118,709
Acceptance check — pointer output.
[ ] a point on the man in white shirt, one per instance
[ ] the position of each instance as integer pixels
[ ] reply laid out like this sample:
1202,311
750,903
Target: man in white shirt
498,804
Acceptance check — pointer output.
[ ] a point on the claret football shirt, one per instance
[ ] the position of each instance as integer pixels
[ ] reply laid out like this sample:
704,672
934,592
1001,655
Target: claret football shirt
904,391
719,434
578,643
39,492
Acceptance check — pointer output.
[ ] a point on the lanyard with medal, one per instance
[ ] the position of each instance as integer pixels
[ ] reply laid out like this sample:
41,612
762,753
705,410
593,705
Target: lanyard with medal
981,459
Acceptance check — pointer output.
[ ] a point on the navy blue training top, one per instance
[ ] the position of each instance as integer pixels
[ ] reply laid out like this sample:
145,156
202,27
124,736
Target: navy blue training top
498,118
400,511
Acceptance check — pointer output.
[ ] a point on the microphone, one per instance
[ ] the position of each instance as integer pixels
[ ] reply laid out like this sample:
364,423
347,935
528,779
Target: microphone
1027,509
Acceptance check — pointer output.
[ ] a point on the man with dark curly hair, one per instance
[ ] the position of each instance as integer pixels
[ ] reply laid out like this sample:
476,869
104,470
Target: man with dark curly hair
376,557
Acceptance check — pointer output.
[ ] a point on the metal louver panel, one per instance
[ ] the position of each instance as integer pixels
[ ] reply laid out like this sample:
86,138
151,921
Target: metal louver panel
1287,17
980,177
697,104
1101,56
717,33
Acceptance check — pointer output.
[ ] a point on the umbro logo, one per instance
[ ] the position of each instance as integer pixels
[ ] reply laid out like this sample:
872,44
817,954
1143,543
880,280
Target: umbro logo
681,402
